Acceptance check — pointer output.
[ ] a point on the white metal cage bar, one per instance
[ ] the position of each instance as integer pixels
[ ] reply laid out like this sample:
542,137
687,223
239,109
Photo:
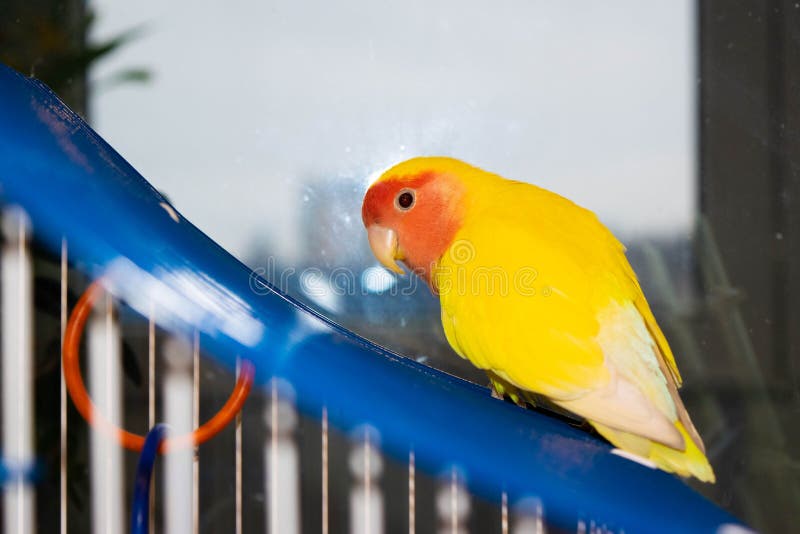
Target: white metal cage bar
105,386
180,481
17,322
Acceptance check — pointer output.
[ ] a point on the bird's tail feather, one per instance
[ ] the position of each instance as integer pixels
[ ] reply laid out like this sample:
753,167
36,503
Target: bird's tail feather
689,462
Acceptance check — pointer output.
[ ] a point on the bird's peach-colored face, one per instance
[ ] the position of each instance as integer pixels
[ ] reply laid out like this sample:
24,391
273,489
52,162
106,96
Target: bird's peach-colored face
413,219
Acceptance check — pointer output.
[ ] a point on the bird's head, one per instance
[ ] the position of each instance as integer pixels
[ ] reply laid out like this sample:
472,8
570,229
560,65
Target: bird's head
413,212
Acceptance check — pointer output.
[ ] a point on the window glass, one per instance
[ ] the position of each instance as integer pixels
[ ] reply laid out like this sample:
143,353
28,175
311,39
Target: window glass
264,122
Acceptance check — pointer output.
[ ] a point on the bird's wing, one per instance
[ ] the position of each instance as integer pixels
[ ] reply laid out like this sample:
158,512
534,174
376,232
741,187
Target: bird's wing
515,303
527,298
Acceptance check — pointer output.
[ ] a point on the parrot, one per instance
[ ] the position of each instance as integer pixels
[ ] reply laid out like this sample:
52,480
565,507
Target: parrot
539,294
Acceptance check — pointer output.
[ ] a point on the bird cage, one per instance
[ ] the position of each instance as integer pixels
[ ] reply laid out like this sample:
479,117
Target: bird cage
250,411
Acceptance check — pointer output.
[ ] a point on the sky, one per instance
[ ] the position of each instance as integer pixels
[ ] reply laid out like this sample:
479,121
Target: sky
253,104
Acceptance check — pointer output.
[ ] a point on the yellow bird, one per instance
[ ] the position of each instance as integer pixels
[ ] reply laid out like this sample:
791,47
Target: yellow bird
537,291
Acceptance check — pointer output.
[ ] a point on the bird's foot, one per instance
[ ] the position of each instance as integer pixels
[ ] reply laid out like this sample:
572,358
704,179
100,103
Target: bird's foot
495,394
501,390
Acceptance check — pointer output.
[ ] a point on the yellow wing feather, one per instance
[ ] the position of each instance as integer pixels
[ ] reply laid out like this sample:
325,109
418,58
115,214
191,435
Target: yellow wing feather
551,270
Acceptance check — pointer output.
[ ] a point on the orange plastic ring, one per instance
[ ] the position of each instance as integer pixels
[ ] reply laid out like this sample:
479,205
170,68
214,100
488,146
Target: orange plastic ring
78,394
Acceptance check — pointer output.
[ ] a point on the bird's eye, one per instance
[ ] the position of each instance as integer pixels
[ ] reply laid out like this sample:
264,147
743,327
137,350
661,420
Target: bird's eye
405,199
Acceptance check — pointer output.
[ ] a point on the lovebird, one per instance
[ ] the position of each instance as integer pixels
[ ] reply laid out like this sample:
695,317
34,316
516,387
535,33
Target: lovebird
537,292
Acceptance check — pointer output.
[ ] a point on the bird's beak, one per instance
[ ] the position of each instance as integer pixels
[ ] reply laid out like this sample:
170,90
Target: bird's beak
383,242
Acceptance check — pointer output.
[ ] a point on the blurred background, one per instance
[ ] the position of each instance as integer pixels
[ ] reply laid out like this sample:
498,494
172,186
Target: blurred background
676,122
